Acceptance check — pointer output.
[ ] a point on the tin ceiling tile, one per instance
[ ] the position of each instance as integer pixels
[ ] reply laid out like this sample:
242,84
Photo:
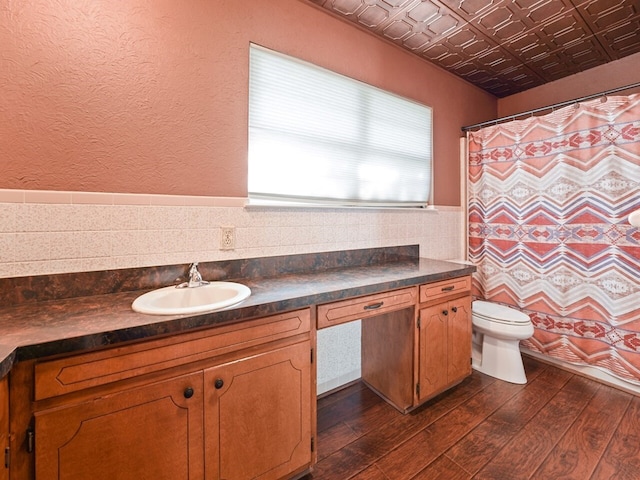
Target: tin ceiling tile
502,46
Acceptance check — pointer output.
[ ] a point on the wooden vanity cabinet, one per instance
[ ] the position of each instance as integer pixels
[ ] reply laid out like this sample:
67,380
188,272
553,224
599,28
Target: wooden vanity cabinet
4,428
387,342
416,341
387,356
257,415
152,431
231,402
444,324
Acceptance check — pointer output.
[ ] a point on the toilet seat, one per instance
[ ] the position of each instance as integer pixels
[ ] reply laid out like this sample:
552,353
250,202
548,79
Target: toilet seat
493,312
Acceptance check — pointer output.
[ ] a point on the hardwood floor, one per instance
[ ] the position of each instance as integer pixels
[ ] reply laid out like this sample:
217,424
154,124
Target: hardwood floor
558,425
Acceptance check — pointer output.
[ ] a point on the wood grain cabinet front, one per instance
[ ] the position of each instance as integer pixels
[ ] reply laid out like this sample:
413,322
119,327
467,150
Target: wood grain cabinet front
445,346
445,289
368,306
415,342
80,372
248,419
232,402
154,431
258,415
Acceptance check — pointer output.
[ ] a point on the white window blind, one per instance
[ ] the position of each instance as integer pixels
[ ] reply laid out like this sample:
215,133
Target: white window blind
319,137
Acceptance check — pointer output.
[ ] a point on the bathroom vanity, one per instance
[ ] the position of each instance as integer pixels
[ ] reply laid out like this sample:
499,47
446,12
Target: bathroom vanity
416,342
179,406
229,394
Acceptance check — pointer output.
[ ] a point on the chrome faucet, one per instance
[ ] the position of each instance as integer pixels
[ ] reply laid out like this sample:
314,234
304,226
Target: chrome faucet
195,279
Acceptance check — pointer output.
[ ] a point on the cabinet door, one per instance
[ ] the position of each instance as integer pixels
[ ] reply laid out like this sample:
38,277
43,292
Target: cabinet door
258,415
433,367
151,432
445,345
459,339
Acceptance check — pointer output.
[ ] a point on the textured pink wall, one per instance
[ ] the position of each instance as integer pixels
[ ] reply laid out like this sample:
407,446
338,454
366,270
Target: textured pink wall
150,96
620,73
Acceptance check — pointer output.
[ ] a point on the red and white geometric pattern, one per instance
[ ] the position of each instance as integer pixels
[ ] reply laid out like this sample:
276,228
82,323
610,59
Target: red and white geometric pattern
549,199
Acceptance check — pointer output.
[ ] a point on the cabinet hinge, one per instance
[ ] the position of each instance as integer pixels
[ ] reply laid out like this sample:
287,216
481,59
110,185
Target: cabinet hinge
313,444
418,389
31,436
418,321
312,355
7,457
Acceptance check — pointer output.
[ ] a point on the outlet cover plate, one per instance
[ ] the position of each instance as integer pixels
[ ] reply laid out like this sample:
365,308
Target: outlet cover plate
227,238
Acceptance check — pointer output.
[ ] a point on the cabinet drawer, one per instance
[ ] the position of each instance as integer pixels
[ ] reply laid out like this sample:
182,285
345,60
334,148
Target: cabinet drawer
445,288
362,307
70,374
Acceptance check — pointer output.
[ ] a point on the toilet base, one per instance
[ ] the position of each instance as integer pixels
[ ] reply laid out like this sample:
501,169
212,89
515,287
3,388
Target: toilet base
498,358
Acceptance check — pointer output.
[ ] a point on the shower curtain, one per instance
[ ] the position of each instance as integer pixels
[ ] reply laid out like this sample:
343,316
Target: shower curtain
549,199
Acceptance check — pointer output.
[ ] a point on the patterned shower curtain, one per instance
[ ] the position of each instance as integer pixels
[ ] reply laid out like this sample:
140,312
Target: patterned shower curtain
549,199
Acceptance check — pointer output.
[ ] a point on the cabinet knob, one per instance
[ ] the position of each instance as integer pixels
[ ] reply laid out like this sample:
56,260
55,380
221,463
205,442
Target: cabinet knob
188,392
219,383
454,309
445,312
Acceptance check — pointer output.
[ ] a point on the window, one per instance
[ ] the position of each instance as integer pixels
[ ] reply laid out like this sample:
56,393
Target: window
319,137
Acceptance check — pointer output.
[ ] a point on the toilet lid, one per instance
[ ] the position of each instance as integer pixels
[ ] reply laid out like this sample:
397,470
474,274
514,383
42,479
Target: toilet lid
498,313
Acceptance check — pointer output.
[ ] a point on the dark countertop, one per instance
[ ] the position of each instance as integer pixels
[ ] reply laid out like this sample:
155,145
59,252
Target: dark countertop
40,329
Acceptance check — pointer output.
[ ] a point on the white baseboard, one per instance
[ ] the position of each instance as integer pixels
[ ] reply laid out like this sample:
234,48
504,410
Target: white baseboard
338,382
594,373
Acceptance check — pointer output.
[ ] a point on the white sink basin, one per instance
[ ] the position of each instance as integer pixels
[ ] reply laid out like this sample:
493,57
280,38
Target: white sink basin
205,298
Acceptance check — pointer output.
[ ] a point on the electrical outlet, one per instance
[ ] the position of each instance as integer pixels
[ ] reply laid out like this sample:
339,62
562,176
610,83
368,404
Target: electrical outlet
227,238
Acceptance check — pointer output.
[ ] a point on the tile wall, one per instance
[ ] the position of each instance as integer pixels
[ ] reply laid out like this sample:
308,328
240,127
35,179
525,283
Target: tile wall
45,232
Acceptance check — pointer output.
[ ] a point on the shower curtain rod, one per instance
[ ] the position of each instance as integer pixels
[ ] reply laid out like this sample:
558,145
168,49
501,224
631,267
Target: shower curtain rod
550,107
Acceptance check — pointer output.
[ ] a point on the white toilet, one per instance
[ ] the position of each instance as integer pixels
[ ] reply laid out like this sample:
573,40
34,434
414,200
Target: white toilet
497,331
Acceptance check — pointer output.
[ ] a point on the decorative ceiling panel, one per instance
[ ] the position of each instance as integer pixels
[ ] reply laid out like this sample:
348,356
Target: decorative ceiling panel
502,46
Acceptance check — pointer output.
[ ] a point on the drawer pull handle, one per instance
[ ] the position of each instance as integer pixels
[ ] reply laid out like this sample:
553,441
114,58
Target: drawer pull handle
454,309
219,383
449,288
188,392
373,306
445,312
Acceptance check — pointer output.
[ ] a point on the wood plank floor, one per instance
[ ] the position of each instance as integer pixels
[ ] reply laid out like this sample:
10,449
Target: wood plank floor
558,425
